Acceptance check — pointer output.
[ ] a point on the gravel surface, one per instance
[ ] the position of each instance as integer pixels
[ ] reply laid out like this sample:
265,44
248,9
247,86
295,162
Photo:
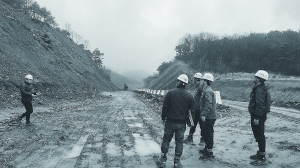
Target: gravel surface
123,129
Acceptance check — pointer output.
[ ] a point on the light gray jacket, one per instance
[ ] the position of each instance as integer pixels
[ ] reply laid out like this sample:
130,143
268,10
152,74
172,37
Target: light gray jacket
208,103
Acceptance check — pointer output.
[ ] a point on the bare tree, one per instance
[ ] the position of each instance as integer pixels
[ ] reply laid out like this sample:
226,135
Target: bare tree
77,38
68,27
86,44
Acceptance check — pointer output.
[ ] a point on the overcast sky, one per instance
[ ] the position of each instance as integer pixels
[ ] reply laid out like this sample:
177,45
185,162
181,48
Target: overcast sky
136,36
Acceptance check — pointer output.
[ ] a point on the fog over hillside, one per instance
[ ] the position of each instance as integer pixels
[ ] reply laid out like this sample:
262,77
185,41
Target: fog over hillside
120,80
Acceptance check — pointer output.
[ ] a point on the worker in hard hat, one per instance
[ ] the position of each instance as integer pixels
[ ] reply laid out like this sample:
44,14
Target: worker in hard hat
26,89
259,106
177,104
198,93
208,115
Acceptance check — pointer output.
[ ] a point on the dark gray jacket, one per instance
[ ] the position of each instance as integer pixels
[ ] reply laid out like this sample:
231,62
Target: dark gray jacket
257,104
177,103
26,91
208,103
197,96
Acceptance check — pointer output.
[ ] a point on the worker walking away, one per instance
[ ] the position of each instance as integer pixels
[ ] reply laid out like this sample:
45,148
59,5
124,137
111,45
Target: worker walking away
259,106
177,104
27,91
198,93
208,115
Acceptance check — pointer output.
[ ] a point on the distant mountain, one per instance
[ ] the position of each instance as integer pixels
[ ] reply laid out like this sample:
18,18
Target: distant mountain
119,81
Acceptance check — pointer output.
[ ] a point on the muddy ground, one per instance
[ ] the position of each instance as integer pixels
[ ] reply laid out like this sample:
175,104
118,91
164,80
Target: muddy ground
123,129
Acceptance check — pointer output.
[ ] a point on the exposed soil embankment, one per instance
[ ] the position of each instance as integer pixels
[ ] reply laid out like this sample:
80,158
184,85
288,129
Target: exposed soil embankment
284,92
59,66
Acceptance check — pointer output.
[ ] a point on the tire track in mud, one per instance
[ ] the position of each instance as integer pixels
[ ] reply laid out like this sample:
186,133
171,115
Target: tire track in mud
122,131
110,143
35,148
120,138
27,146
92,152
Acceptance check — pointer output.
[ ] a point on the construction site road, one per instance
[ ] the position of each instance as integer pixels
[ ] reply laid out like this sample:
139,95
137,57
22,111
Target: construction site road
122,129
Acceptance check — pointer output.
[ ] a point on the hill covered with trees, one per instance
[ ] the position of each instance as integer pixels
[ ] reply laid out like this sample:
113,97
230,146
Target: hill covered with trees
276,51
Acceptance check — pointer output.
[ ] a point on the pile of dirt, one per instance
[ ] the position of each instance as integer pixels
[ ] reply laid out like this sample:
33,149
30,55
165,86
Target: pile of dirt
61,68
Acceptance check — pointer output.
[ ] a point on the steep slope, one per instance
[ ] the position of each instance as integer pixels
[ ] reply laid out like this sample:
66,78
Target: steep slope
167,79
49,54
120,80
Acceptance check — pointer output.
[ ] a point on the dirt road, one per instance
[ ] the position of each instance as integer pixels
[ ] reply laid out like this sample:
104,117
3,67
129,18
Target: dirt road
122,130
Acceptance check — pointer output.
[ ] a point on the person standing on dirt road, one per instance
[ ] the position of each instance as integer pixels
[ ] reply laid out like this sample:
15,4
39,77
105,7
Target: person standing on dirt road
26,89
259,106
208,115
198,93
177,104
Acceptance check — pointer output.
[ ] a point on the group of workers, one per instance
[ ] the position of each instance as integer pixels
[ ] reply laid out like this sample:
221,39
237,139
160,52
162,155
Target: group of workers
202,106
178,102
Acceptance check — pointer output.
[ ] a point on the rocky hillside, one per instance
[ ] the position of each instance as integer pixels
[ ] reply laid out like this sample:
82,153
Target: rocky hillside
167,79
60,67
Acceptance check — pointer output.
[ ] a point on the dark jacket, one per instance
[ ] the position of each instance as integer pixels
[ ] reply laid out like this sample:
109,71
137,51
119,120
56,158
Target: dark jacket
257,103
177,103
26,91
208,103
197,96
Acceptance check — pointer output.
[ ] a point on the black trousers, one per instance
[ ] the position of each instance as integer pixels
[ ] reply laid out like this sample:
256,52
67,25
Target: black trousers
259,132
196,121
29,110
170,129
208,132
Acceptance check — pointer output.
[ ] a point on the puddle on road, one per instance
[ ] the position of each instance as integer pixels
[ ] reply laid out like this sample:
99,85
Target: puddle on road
128,113
130,118
145,146
75,149
136,125
113,150
130,152
119,99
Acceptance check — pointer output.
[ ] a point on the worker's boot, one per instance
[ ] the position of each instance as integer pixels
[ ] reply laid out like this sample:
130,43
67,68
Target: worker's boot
254,157
202,151
208,154
177,163
189,139
261,159
161,163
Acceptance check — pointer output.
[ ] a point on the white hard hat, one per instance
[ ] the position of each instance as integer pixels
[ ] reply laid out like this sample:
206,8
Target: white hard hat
262,74
183,78
198,75
208,76
29,77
